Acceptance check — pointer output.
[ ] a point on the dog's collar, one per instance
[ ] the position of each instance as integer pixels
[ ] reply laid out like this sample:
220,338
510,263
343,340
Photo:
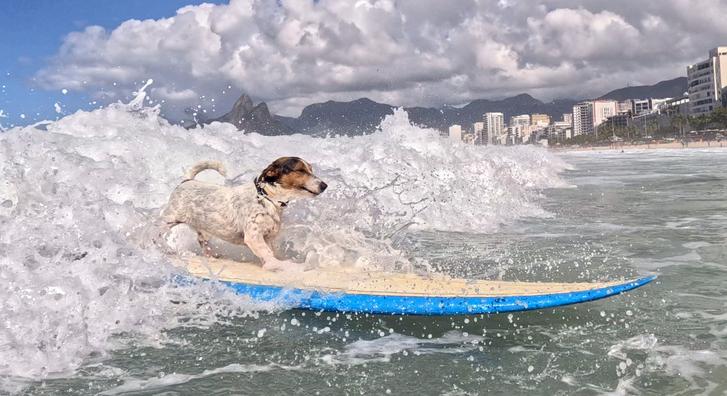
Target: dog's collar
261,192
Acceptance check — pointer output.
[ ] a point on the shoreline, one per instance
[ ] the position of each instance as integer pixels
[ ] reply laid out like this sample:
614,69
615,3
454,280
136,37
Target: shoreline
645,146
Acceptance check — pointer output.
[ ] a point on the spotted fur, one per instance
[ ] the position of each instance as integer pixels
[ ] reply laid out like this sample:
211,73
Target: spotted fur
243,214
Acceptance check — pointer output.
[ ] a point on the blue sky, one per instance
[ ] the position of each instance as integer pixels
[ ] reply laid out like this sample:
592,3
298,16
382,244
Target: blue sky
32,31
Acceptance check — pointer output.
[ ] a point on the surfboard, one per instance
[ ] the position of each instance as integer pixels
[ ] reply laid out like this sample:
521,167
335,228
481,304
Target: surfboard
357,291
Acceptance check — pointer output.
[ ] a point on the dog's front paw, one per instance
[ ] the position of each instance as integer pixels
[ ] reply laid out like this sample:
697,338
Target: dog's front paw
272,266
283,265
294,267
277,265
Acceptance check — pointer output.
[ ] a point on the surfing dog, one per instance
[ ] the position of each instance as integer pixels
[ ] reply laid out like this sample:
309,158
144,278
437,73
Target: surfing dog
247,214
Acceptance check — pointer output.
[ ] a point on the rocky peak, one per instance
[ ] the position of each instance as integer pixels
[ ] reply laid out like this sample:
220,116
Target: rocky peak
250,118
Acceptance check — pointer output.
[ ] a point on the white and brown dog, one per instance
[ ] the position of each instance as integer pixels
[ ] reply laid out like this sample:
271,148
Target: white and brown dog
248,213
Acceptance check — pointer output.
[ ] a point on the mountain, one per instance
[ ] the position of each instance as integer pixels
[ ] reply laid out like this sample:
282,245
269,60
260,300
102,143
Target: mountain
515,105
362,116
242,107
250,118
348,118
664,89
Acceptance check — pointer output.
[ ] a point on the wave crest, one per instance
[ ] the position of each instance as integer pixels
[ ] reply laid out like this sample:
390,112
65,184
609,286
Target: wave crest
76,201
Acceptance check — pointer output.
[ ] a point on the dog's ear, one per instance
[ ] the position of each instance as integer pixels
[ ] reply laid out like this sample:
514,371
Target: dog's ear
275,170
283,166
271,174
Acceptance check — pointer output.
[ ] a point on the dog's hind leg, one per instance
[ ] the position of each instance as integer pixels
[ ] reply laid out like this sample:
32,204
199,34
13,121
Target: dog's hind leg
159,231
204,242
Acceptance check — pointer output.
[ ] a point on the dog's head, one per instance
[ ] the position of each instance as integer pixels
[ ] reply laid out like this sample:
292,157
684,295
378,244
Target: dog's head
292,177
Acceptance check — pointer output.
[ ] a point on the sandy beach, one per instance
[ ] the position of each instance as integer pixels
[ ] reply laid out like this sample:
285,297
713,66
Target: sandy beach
647,146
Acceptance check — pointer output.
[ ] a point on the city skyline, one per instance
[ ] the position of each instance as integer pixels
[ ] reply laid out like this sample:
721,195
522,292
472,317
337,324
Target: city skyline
707,92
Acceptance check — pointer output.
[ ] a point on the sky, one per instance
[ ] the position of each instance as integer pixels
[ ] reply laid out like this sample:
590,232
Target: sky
294,53
31,33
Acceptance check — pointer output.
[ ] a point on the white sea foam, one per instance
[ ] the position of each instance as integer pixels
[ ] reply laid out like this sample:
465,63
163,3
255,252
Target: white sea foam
151,384
382,349
673,359
77,200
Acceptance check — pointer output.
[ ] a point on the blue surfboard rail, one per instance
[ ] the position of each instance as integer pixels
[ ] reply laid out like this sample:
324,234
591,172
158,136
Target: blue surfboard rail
311,299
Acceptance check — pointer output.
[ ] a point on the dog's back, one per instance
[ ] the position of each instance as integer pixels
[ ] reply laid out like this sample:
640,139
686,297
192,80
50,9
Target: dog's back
191,195
212,208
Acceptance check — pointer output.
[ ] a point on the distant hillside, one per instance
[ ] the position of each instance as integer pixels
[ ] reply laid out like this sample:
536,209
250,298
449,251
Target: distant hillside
346,118
663,89
512,106
362,116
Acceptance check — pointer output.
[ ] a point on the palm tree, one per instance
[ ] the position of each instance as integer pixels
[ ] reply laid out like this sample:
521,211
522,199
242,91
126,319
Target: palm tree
719,117
699,122
678,122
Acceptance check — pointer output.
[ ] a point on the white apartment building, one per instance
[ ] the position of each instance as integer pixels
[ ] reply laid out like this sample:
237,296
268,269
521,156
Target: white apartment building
520,120
657,104
625,107
526,133
568,118
494,126
455,132
479,129
583,118
519,129
602,110
559,130
640,106
587,116
707,82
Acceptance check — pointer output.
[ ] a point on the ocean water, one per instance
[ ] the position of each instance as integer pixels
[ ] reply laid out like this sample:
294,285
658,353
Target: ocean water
89,306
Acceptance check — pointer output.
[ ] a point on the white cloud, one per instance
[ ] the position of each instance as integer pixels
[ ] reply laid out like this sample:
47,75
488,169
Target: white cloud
292,53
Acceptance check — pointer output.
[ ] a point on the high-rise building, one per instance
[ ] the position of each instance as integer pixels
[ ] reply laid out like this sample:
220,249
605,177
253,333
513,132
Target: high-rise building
540,120
520,120
519,129
583,118
707,82
479,128
602,109
675,106
637,107
657,104
455,132
494,126
568,118
625,107
641,106
559,130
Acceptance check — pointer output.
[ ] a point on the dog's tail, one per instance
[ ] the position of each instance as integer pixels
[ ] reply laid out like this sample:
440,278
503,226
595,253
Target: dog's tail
203,165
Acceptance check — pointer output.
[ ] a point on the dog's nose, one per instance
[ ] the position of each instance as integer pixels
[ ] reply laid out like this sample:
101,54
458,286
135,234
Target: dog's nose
323,186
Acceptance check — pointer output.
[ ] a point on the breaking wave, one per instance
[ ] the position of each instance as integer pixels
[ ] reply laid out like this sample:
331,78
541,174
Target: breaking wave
78,196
